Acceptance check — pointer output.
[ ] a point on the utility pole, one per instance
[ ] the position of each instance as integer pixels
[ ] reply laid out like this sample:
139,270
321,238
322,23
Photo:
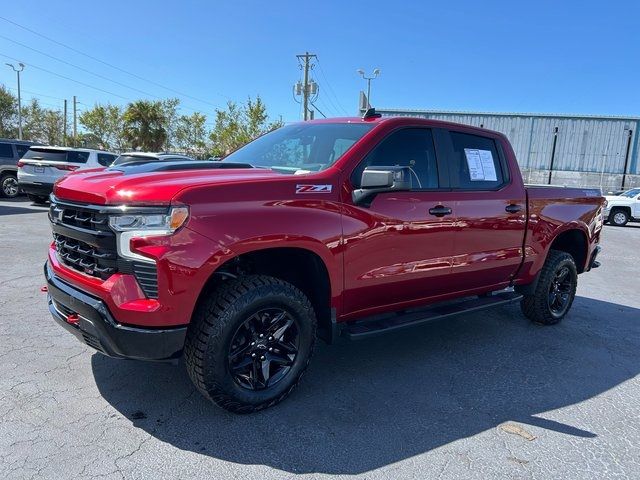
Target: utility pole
308,88
75,123
18,70
64,125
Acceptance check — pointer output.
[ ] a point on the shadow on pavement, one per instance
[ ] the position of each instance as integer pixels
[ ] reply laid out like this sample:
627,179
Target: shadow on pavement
364,405
19,206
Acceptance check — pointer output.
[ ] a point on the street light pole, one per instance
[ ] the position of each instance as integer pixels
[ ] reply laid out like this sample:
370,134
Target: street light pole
18,70
376,72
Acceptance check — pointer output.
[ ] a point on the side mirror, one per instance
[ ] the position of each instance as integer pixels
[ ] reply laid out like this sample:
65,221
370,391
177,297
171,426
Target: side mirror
381,179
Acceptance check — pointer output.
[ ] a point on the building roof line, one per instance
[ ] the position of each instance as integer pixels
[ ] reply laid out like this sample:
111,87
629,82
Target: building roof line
504,114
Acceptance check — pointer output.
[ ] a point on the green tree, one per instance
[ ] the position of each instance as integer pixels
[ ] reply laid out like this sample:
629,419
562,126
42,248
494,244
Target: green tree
8,113
239,124
191,133
105,124
172,120
52,127
145,125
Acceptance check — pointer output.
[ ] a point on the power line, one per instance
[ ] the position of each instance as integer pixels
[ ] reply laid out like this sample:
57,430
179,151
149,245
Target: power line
86,84
330,109
79,68
316,107
331,88
88,71
111,65
68,78
37,94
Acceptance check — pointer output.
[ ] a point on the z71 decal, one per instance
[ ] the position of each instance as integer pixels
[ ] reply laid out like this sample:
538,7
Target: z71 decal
313,188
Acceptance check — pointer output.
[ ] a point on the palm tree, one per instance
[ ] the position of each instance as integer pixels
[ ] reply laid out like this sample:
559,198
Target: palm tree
144,125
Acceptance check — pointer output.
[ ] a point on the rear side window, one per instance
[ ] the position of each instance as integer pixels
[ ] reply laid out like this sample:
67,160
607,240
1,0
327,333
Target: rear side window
5,150
22,149
77,157
475,164
105,159
51,155
409,147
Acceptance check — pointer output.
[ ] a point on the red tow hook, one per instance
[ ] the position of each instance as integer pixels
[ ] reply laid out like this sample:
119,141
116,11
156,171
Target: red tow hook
73,319
44,289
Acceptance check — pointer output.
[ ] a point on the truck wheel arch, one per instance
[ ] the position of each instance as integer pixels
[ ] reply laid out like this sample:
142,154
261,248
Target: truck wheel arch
574,242
301,267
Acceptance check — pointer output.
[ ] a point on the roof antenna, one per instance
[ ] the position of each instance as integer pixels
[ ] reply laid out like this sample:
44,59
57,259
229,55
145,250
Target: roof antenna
371,113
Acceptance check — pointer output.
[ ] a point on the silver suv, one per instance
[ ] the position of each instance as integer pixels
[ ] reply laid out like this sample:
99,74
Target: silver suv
40,167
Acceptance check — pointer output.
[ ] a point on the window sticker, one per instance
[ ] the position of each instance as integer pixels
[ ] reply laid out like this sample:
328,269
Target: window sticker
481,165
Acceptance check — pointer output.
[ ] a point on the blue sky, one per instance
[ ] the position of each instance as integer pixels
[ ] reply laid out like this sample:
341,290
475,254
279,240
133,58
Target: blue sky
557,57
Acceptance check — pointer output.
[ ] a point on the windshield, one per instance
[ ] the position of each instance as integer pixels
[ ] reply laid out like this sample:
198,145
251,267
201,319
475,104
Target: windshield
301,148
631,193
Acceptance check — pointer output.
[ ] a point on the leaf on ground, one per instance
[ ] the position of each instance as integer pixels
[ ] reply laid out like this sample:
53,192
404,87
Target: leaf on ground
516,429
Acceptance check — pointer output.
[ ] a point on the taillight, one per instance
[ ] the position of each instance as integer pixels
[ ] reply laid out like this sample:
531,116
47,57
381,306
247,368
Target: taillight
69,168
20,164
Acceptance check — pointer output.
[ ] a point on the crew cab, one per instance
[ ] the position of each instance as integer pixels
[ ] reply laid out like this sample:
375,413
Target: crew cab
623,208
329,228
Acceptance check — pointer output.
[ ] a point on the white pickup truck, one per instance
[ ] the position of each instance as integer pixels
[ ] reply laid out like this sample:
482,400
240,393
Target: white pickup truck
623,208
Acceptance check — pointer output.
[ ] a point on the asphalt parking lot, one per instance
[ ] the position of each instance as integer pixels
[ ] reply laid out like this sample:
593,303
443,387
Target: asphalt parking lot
480,396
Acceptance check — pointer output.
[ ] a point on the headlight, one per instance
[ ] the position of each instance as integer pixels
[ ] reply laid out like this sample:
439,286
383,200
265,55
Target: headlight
137,225
156,223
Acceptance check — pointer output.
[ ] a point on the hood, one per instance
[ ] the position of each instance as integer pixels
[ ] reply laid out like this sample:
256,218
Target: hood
618,200
116,186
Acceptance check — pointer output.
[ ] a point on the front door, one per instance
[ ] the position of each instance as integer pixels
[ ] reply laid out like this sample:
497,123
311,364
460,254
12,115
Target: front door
396,252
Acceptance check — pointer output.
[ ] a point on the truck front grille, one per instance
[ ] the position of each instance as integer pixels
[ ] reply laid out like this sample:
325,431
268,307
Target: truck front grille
81,256
85,243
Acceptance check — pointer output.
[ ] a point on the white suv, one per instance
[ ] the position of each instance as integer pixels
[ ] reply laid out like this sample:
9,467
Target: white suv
623,208
40,167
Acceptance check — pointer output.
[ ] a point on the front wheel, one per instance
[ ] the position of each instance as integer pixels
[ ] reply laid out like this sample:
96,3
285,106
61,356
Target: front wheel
555,290
250,342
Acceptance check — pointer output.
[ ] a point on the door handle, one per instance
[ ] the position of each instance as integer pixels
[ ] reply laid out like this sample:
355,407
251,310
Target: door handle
513,208
440,211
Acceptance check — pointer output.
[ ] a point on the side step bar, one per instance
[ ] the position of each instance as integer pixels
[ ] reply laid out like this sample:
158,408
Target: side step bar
382,324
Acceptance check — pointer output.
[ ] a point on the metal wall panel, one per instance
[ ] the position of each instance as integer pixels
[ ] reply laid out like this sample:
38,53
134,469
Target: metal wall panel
584,144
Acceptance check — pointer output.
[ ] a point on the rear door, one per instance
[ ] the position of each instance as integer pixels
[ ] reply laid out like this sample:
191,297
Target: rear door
490,210
397,252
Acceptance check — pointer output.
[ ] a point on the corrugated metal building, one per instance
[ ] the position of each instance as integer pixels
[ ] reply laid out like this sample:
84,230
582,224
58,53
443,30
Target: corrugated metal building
576,150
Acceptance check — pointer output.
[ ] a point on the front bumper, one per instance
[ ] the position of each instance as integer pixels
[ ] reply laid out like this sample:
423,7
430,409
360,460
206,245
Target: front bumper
42,189
89,319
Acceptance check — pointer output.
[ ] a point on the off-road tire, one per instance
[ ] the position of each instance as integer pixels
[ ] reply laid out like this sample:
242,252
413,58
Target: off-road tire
536,306
215,321
621,213
38,199
6,190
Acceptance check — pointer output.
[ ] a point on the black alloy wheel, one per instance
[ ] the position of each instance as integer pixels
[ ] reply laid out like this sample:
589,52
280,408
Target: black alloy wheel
560,290
263,349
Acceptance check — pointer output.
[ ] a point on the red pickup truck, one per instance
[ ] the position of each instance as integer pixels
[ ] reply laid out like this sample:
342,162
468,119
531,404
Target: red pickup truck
343,227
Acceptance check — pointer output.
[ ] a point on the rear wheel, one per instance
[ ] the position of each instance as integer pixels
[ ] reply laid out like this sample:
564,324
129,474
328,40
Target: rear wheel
39,199
9,185
250,342
555,290
618,217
